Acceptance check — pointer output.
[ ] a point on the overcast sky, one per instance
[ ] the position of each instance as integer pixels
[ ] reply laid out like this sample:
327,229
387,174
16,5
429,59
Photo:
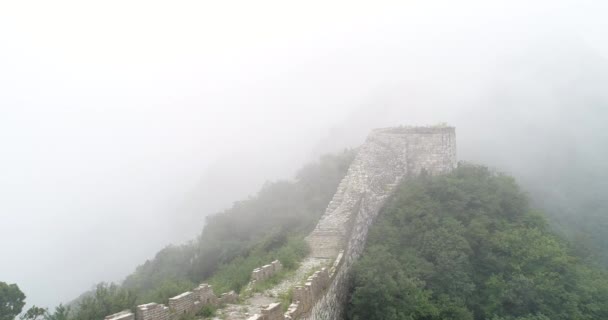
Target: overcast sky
114,115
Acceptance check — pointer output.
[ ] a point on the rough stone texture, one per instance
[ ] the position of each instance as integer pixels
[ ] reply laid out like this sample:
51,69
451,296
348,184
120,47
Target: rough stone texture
305,296
152,311
123,315
188,302
229,297
273,312
183,303
192,301
276,266
294,311
305,269
267,271
204,294
388,156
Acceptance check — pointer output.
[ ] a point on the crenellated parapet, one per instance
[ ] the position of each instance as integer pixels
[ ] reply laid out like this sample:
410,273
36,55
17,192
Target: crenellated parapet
152,311
183,303
189,302
123,315
205,295
266,271
306,295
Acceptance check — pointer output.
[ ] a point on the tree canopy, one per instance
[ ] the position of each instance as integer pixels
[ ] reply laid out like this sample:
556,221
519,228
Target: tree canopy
467,246
34,313
12,301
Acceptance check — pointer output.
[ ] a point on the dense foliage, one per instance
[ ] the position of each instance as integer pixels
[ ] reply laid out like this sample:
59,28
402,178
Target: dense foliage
467,246
105,300
34,313
12,301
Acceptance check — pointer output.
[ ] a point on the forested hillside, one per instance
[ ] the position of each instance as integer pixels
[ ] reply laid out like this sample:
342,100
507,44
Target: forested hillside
462,246
269,225
468,246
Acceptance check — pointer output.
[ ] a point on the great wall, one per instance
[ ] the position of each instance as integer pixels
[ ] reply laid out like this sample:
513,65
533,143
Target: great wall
319,286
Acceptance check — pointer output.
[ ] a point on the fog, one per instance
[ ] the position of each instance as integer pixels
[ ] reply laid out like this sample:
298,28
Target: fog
122,124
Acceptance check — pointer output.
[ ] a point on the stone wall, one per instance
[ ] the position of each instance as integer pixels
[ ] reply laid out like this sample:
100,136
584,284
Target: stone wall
123,315
205,295
193,301
186,303
267,271
152,311
306,295
273,312
228,297
385,159
183,303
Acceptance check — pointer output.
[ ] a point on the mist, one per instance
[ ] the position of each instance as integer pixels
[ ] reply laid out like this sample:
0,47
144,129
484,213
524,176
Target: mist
123,124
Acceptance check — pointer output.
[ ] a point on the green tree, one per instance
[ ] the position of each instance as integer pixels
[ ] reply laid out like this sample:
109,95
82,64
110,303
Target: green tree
105,300
12,301
61,313
467,246
34,313
385,291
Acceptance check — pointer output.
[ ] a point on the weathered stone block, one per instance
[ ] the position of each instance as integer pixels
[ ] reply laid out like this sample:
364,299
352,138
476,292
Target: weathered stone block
183,303
229,297
204,294
152,311
273,312
276,266
123,315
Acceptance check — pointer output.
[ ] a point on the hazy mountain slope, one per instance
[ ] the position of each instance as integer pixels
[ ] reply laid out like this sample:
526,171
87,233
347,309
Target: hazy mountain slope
265,226
467,246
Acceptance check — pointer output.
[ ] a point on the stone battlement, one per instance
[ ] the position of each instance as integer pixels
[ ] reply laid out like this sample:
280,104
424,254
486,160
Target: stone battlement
183,303
188,302
152,311
267,271
305,296
438,129
123,315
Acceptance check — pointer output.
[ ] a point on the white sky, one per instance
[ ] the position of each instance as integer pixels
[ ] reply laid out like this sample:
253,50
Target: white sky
112,111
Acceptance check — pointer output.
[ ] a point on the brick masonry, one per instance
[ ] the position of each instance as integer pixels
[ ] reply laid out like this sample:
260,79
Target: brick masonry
152,311
188,302
267,271
123,315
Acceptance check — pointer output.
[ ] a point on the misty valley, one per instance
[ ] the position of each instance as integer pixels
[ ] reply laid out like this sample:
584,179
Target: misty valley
304,160
452,240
